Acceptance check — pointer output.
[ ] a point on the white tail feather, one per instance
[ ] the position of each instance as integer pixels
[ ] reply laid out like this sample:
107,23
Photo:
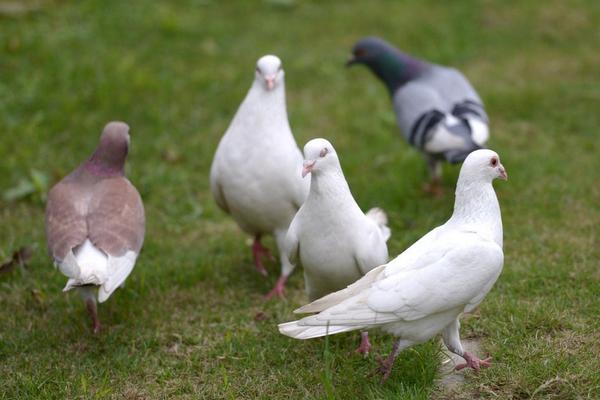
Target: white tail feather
335,298
297,331
119,269
381,219
85,265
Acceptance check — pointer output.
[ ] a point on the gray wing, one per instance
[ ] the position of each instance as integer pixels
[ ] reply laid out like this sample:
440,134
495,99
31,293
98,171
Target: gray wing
413,103
429,123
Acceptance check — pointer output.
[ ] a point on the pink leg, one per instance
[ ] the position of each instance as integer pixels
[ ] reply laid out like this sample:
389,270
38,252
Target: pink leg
258,252
385,365
278,289
365,345
473,362
93,310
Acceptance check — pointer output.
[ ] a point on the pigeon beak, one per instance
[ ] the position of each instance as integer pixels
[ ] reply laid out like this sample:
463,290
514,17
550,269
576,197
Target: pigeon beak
307,167
351,61
270,82
503,174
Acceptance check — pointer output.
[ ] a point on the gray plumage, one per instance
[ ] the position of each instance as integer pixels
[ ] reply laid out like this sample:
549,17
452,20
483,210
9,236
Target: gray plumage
437,109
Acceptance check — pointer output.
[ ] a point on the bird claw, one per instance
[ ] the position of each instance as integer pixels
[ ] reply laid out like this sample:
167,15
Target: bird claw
473,362
278,290
384,368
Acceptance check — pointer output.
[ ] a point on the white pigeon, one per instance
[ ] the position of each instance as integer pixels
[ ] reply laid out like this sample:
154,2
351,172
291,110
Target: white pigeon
256,173
426,289
331,237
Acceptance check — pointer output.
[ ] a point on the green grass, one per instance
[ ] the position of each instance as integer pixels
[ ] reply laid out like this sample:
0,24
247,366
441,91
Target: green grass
185,326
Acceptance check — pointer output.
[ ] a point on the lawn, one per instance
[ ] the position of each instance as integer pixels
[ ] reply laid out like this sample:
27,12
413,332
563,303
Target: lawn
191,321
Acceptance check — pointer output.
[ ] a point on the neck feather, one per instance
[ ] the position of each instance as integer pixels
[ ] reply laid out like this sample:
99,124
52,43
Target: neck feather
267,107
102,164
395,68
330,184
476,204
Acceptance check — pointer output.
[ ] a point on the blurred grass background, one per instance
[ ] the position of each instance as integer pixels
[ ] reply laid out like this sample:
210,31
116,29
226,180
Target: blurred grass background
191,322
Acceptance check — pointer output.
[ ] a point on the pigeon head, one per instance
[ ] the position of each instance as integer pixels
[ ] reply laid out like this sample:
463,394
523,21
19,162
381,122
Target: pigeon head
392,66
319,155
269,72
482,166
369,50
111,153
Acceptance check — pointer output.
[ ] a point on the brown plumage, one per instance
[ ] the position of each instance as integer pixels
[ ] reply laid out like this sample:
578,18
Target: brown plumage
96,202
107,211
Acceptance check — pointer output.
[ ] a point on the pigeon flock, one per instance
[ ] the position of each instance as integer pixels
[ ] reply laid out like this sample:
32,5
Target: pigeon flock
95,220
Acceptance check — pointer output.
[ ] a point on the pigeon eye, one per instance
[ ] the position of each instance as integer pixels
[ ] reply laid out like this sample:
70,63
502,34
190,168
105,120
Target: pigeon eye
323,152
258,70
360,53
494,162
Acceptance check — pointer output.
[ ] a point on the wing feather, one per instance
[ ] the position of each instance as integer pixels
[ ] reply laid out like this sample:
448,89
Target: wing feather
461,276
66,226
116,217
119,269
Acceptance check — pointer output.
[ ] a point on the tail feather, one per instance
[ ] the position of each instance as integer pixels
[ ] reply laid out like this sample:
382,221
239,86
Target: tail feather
295,330
336,298
120,268
381,219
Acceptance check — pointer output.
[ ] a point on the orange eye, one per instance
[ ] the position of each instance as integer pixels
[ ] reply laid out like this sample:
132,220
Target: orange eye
494,162
323,152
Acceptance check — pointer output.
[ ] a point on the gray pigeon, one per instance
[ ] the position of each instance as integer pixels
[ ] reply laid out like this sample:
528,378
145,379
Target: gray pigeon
437,109
95,221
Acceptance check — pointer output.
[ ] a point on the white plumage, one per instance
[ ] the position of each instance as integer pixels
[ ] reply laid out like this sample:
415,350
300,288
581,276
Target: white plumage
424,290
255,174
331,237
87,265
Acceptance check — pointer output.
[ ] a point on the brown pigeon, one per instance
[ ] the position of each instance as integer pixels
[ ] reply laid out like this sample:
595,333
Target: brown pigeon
95,221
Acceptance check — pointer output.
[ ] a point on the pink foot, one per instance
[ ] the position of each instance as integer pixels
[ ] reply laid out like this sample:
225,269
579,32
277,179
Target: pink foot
258,252
278,289
473,362
92,309
386,364
365,345
385,368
